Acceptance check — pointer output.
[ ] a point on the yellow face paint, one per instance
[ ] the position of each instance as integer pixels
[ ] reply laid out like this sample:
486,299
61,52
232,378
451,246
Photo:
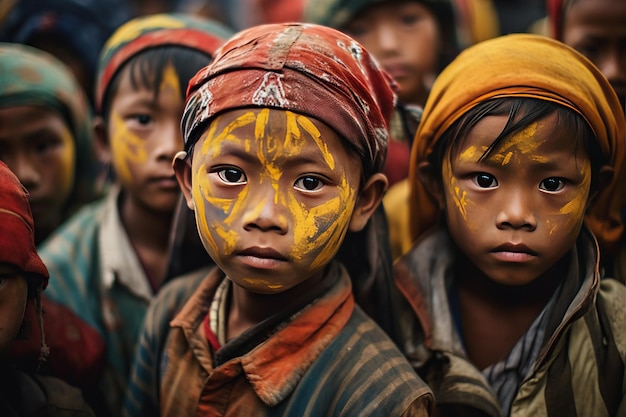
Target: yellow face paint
67,160
271,139
458,196
519,143
129,147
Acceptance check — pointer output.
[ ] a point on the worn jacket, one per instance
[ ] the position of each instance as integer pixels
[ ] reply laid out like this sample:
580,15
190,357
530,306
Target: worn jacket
325,359
95,271
579,370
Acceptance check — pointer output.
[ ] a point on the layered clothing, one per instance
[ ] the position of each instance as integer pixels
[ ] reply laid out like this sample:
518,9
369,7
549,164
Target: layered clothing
570,361
321,356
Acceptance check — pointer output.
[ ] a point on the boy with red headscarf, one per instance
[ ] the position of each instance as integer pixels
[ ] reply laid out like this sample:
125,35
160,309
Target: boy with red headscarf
285,138
23,277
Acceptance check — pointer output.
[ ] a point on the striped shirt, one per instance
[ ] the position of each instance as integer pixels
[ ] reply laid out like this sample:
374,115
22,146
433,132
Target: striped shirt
327,359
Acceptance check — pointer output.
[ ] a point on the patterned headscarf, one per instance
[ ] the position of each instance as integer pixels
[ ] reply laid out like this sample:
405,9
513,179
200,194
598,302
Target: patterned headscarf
17,232
523,65
154,31
308,69
30,77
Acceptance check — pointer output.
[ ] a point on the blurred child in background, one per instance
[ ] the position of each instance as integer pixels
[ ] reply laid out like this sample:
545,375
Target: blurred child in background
110,259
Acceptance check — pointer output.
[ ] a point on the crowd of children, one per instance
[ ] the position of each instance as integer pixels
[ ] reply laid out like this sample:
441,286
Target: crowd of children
313,208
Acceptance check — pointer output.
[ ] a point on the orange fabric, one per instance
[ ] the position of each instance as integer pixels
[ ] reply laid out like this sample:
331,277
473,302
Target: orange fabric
524,65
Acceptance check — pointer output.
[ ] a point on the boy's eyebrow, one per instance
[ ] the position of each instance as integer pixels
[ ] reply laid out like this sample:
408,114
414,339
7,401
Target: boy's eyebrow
288,162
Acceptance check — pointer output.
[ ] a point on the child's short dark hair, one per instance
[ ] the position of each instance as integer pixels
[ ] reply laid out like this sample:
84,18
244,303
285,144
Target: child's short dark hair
146,70
521,112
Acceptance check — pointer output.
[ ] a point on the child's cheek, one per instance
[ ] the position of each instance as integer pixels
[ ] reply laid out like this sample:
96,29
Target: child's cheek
214,215
321,229
127,148
458,197
68,158
573,212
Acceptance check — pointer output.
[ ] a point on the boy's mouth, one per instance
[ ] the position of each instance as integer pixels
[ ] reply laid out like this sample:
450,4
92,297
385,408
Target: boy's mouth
261,258
514,252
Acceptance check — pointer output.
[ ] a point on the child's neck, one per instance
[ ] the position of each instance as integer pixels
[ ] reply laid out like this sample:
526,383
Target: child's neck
493,316
248,309
149,233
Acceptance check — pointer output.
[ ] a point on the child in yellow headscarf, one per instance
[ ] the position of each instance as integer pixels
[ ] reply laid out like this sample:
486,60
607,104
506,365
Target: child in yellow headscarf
516,170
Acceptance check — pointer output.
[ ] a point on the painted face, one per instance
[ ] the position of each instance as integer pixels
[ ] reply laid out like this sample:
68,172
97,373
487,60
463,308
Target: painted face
518,211
13,298
144,136
39,148
597,29
274,193
405,40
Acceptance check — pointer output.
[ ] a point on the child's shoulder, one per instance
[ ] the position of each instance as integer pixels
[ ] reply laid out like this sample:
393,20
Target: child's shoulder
362,361
612,311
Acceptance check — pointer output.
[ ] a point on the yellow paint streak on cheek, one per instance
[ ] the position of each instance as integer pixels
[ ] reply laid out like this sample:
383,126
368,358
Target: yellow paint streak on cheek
219,235
127,148
454,191
333,217
552,227
68,160
575,208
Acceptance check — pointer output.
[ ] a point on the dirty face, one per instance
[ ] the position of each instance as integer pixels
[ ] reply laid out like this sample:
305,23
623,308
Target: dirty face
515,213
273,193
37,145
144,135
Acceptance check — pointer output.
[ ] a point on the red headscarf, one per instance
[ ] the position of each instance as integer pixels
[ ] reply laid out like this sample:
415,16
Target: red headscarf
308,69
555,17
17,238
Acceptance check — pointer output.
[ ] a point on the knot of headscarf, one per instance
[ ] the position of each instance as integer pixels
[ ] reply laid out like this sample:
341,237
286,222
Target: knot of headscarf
524,65
308,69
17,236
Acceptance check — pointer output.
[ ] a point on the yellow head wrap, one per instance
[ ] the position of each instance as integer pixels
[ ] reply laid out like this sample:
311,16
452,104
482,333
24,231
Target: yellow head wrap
523,65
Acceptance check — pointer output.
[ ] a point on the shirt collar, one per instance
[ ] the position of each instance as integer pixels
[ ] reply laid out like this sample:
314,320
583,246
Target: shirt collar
119,261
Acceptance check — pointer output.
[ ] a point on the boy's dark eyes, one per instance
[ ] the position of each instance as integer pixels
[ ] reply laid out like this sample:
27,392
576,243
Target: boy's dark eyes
484,180
231,175
552,184
43,145
309,183
142,119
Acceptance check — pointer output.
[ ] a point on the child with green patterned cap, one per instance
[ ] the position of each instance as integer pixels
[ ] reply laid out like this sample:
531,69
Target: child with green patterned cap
109,260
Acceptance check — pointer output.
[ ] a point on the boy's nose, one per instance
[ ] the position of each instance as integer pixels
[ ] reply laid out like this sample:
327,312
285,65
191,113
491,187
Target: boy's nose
266,213
24,168
516,212
387,38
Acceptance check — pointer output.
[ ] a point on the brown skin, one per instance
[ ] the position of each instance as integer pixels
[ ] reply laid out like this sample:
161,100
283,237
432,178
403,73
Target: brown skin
277,191
37,145
514,216
405,38
140,140
597,29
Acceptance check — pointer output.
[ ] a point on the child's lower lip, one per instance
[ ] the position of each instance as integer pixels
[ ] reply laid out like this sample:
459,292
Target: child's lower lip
508,256
260,263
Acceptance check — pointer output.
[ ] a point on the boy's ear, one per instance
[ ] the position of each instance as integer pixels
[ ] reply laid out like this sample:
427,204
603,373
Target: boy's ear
431,179
605,176
102,145
182,169
368,200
